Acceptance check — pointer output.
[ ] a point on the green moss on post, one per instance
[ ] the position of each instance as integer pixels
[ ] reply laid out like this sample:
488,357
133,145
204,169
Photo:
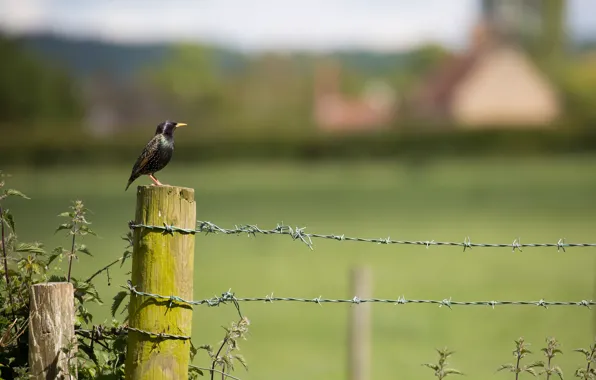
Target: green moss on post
162,263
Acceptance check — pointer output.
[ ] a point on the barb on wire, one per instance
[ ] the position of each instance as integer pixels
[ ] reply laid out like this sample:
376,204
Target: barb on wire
447,302
298,233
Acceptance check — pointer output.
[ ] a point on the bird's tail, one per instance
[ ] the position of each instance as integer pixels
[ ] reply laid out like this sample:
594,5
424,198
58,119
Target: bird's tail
131,179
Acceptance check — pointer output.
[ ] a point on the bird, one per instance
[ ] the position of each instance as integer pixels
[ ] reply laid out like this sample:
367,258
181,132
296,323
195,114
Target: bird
157,153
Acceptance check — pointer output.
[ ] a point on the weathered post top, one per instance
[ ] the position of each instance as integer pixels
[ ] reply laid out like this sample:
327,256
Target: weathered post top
51,329
162,263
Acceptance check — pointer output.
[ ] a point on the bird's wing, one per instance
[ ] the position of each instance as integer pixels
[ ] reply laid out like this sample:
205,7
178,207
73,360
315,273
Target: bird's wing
145,156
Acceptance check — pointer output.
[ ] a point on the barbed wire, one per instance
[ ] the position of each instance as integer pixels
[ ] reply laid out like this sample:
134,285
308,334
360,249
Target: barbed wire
228,296
99,332
298,233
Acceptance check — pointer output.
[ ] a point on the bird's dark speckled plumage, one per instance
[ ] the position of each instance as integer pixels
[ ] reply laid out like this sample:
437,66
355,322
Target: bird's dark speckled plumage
157,153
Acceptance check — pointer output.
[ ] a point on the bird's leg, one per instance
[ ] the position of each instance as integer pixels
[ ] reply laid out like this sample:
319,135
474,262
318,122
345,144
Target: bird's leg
155,180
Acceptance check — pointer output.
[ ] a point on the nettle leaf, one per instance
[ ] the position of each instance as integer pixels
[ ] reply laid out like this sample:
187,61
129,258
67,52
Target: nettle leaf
509,367
208,348
199,371
66,214
451,371
64,226
83,249
30,247
86,230
15,193
7,216
118,298
530,371
126,255
242,361
53,257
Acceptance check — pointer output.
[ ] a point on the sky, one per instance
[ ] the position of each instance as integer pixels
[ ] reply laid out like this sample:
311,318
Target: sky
267,24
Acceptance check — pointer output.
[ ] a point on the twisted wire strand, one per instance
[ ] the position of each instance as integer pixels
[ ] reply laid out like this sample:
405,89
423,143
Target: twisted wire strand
228,296
100,332
299,234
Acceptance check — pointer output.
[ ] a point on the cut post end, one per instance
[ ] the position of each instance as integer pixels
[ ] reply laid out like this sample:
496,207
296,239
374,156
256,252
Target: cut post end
151,190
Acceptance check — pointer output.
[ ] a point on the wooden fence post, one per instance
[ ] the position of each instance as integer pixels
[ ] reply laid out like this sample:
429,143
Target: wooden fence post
162,263
359,326
51,330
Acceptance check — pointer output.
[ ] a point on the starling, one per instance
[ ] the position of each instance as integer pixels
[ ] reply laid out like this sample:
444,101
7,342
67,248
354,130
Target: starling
157,153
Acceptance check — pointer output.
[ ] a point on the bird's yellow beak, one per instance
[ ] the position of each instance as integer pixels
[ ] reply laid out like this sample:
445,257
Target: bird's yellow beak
181,125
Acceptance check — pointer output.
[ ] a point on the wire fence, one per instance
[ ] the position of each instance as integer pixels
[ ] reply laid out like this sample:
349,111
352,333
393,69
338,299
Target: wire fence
299,234
229,297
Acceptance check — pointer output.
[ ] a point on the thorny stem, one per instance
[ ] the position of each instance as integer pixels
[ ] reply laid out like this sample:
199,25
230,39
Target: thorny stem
590,361
517,363
6,265
217,355
72,251
107,267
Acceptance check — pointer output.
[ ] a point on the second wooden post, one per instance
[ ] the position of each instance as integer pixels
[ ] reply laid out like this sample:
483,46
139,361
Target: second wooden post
162,263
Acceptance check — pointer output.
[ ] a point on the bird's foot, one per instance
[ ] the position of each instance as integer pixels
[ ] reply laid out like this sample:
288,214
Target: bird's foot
155,181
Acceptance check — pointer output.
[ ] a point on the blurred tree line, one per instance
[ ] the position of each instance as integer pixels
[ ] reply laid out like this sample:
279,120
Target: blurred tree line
32,90
266,98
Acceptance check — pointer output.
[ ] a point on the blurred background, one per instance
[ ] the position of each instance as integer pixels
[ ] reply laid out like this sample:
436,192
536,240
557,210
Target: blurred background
412,119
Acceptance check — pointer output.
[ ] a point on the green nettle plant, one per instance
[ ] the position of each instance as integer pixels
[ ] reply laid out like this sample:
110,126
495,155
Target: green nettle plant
589,371
23,264
441,367
550,351
26,264
226,355
520,352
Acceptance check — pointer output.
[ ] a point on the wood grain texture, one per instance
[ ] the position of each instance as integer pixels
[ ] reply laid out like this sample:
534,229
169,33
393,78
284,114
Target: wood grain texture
162,264
51,329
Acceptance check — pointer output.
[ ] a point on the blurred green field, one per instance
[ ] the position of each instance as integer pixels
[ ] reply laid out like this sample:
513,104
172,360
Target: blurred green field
489,200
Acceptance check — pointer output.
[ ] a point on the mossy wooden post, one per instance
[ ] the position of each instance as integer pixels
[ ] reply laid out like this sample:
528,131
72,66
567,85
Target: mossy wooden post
162,263
52,341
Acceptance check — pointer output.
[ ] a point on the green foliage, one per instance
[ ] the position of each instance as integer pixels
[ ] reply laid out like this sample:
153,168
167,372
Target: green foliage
25,264
226,355
77,226
187,81
441,367
589,371
578,90
32,90
520,352
307,145
550,351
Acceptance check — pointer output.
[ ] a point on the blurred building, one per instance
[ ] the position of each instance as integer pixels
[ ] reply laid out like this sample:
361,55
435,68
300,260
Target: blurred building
493,83
374,108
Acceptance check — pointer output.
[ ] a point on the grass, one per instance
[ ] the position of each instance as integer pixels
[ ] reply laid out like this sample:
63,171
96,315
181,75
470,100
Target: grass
487,200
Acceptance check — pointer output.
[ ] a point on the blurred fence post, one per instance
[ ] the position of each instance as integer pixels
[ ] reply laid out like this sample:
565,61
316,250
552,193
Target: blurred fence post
52,341
162,263
359,326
